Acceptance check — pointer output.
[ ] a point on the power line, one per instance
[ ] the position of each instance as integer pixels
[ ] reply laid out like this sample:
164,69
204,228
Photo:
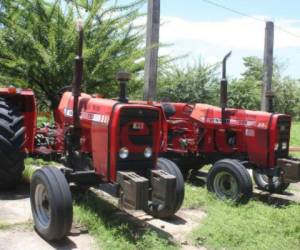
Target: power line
249,16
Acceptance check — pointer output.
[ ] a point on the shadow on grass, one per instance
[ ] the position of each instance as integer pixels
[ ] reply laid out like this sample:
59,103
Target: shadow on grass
270,199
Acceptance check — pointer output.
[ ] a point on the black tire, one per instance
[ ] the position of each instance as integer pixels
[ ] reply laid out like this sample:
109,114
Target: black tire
51,203
12,137
171,168
229,179
262,181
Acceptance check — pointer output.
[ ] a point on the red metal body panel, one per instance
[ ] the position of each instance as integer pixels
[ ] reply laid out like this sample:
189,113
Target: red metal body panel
101,134
199,129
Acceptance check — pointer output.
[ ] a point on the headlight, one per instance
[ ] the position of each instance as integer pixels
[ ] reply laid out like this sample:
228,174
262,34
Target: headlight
148,152
123,153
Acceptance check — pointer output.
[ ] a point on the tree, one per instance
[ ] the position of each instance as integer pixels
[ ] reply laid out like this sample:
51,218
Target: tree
38,41
198,83
246,91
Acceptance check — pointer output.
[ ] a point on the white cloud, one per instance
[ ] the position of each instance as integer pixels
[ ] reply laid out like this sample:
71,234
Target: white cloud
238,33
210,41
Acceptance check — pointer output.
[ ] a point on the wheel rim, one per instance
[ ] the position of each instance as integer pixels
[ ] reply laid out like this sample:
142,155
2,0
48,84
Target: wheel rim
42,205
226,186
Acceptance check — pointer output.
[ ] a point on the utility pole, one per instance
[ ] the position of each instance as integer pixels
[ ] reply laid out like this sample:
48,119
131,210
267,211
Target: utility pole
267,94
152,45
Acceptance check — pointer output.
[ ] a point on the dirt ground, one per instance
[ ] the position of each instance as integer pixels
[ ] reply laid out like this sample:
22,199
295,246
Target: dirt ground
18,231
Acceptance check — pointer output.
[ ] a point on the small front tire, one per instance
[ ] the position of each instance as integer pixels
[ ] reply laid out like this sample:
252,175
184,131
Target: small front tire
229,179
51,203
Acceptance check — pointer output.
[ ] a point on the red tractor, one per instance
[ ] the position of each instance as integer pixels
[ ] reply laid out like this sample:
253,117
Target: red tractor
110,144
233,140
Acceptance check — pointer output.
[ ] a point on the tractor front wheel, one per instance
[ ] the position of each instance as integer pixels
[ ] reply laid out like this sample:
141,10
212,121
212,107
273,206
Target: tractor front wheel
272,185
229,179
51,203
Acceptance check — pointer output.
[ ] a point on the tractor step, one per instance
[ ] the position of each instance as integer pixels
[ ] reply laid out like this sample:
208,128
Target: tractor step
134,190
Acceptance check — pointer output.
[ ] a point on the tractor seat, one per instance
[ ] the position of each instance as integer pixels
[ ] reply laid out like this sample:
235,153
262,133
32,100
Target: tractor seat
168,109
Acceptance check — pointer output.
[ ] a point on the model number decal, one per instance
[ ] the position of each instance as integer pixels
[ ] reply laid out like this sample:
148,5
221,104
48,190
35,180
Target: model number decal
99,118
231,121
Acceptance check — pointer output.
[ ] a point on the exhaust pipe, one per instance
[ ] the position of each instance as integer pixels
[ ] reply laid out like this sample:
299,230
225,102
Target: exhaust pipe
224,83
123,78
76,86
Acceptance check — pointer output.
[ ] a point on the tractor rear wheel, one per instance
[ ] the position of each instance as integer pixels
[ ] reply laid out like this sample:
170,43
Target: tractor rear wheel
51,203
229,179
12,136
171,168
262,181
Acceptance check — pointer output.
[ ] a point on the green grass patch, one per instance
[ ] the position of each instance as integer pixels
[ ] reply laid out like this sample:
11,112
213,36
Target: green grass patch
295,134
4,226
32,164
255,225
110,231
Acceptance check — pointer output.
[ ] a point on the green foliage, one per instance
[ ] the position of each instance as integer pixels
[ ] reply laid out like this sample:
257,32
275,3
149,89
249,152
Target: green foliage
38,43
287,97
246,91
295,136
244,94
191,84
255,225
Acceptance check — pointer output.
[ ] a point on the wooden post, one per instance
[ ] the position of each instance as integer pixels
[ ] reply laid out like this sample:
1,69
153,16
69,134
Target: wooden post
267,94
152,46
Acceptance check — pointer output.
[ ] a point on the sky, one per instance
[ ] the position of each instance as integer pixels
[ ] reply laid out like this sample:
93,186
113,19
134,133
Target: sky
202,30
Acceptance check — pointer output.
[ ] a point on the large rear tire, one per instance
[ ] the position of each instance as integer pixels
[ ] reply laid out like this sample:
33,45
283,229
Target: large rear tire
229,179
277,184
12,137
171,168
51,203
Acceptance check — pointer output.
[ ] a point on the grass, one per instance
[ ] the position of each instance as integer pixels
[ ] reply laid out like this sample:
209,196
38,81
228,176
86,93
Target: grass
3,225
255,225
295,137
32,165
111,233
295,134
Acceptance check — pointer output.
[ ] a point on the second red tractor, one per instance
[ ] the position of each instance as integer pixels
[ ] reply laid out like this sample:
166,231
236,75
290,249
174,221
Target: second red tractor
234,141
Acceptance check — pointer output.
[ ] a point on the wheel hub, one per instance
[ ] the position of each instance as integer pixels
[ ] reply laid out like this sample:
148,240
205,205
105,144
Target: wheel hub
42,205
225,186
